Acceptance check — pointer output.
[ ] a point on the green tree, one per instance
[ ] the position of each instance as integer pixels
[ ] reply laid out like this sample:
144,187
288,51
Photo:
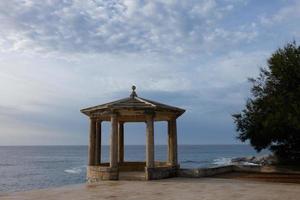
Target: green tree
271,118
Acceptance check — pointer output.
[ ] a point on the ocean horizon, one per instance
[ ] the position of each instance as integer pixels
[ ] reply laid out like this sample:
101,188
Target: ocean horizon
34,167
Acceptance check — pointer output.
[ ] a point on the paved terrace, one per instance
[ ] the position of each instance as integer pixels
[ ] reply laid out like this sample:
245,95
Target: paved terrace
168,189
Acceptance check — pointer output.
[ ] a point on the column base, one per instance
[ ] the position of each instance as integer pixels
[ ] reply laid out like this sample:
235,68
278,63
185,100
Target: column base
100,173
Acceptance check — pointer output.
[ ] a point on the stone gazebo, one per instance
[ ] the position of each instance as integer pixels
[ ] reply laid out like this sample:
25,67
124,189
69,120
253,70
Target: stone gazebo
131,109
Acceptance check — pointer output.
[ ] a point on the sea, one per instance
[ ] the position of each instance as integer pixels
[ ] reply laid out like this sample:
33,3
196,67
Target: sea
34,167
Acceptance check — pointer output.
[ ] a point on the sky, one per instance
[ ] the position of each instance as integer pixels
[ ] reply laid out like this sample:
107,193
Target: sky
59,56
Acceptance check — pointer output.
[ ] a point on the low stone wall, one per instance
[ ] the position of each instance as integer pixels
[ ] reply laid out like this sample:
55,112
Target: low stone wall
247,168
267,169
161,172
204,172
132,166
98,173
104,172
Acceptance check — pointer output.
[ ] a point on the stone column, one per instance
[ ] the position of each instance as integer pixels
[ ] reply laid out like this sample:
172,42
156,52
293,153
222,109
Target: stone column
172,142
170,146
175,151
98,144
121,142
114,141
150,142
92,142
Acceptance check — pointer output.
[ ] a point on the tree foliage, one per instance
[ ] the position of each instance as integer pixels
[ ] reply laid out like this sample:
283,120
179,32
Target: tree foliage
271,118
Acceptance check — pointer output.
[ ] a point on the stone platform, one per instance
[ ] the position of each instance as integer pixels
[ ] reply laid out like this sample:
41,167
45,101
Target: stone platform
167,189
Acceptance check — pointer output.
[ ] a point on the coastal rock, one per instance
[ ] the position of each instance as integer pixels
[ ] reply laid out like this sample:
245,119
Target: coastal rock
268,159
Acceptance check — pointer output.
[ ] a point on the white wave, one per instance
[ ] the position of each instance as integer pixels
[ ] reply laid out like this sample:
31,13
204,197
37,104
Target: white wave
222,161
250,163
74,170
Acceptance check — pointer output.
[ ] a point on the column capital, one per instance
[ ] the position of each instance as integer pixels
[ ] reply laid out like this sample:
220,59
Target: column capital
173,117
149,112
114,114
93,118
149,116
96,119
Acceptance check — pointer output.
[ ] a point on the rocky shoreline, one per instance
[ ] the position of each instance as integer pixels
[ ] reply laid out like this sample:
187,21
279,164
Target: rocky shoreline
262,160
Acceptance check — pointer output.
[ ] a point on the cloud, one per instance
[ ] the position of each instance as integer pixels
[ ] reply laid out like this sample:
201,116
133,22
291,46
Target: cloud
289,12
103,26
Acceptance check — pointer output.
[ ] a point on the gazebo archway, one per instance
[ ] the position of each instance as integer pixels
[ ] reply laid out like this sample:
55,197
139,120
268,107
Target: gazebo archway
131,109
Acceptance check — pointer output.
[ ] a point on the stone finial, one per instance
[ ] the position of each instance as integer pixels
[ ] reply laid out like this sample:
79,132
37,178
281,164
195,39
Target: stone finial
133,93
